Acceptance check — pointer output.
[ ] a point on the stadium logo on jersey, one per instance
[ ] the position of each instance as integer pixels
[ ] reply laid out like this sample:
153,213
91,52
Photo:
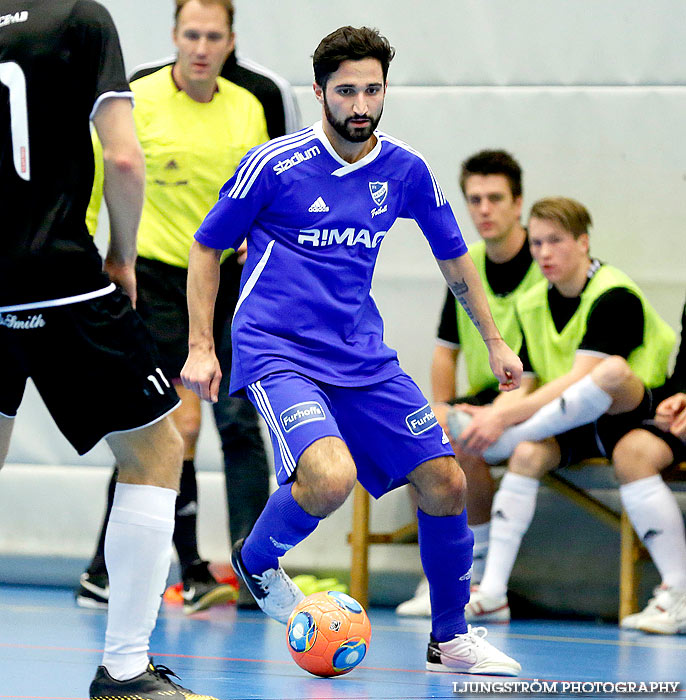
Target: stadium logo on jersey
14,18
349,236
378,190
296,159
301,413
421,420
18,324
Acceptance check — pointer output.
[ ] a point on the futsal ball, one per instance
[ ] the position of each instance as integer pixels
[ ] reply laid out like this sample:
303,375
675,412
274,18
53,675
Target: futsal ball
328,633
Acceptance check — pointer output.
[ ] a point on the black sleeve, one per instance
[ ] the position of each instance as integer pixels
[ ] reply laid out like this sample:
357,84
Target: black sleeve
615,324
102,60
447,328
524,357
677,382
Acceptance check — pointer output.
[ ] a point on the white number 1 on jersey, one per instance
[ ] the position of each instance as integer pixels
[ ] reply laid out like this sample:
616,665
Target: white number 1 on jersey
12,76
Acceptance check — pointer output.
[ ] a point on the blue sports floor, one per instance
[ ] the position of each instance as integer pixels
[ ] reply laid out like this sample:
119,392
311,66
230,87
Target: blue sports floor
49,649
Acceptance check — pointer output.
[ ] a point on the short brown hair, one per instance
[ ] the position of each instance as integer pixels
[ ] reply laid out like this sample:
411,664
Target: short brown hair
350,44
493,163
570,214
226,4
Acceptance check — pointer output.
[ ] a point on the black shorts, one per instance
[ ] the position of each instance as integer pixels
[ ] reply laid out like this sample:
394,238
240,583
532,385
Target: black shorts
598,439
93,363
162,305
482,398
677,447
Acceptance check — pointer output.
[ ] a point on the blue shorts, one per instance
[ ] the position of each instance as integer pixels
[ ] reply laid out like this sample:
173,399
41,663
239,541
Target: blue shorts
388,427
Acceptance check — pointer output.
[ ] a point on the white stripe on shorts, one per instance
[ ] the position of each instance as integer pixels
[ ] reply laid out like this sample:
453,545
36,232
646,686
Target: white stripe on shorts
267,412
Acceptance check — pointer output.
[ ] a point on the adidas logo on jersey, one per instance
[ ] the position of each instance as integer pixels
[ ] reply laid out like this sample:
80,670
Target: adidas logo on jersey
319,205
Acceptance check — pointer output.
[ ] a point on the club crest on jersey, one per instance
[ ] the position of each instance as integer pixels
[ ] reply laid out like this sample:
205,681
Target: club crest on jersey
421,420
301,413
378,190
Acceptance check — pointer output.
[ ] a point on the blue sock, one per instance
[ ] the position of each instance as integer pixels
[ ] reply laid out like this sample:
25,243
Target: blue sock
282,524
445,547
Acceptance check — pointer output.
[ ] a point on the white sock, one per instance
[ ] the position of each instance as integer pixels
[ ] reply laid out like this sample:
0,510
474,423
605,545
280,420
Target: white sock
581,403
481,535
138,547
513,509
653,511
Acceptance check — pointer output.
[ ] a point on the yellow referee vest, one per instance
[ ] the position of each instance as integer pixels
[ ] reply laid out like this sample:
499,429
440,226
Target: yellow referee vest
191,149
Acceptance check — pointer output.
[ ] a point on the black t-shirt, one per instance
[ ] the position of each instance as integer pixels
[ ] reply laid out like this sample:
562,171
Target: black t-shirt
57,57
677,382
503,279
614,325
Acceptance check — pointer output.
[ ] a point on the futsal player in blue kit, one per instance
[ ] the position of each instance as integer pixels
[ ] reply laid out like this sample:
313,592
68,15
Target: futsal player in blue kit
308,345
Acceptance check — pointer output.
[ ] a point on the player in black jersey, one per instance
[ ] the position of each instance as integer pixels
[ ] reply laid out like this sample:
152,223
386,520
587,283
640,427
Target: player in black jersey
162,288
68,324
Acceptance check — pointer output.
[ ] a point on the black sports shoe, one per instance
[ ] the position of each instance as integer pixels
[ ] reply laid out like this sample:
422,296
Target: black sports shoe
93,591
153,684
201,590
273,590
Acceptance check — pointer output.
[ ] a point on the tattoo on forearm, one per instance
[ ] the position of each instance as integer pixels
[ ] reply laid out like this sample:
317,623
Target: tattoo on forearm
459,289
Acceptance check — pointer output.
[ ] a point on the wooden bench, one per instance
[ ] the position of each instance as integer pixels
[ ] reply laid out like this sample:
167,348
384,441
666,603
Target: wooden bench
631,549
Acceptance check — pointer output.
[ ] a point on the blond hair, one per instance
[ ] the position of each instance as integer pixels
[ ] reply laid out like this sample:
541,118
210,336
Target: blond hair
570,214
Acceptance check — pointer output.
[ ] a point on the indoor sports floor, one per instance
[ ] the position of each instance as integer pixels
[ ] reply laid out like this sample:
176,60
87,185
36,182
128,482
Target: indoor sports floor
49,649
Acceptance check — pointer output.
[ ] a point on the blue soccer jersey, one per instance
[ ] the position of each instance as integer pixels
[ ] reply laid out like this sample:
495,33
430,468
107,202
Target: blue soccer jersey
314,224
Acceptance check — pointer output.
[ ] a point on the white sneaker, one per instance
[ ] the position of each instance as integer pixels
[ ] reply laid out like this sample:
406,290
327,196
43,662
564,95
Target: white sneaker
470,653
631,622
481,608
419,605
273,589
667,615
458,420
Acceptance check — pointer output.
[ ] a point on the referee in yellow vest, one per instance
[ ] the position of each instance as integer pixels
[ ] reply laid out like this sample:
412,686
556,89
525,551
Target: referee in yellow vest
194,127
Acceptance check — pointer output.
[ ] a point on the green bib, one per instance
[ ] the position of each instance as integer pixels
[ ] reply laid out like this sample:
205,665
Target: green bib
503,309
552,354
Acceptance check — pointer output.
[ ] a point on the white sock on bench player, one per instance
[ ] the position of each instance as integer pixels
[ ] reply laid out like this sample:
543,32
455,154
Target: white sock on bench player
582,402
656,517
513,509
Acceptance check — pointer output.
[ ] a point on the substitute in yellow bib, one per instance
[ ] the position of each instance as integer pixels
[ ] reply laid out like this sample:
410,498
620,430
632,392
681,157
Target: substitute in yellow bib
194,127
491,182
587,329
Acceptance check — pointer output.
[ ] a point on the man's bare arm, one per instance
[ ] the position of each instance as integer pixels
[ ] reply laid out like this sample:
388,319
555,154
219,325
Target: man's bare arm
443,367
124,185
465,284
201,373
